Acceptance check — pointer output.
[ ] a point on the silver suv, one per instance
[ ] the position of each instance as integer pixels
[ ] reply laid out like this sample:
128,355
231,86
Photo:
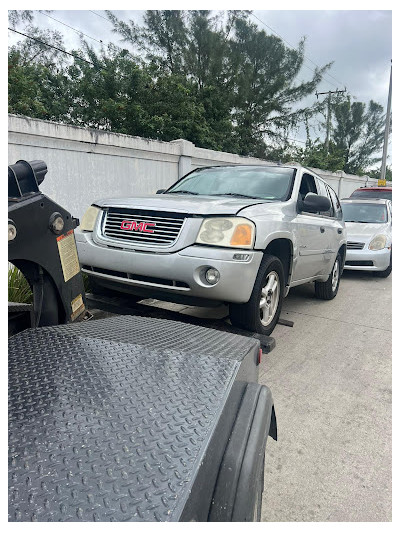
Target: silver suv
242,235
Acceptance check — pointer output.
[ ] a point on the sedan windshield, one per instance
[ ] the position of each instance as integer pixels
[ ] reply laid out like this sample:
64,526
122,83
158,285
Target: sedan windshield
266,183
365,213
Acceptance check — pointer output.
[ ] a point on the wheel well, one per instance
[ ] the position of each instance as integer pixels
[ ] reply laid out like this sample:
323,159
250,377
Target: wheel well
46,296
283,249
342,253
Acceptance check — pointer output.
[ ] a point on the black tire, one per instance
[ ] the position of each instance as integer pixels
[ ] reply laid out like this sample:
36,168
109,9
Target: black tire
248,315
387,272
327,290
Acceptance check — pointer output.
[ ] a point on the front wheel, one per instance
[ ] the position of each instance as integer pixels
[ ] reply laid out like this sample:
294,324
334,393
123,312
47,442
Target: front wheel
385,273
261,312
327,290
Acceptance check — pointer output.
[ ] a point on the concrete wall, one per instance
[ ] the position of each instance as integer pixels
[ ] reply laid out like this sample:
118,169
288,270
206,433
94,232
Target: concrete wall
85,165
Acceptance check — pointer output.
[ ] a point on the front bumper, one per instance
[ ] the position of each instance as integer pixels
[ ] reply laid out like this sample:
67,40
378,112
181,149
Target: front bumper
373,260
172,273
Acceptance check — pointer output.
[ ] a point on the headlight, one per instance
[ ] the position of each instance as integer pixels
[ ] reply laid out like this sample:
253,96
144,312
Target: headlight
233,231
89,218
377,243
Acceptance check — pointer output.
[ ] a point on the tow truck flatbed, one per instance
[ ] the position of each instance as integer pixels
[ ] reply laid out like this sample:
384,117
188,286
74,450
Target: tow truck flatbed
132,418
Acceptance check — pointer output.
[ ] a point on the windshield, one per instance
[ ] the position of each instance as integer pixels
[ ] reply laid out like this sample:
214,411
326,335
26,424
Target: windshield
266,183
368,193
366,213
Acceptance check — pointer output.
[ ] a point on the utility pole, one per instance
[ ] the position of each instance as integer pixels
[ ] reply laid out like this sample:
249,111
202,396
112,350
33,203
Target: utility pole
387,126
328,120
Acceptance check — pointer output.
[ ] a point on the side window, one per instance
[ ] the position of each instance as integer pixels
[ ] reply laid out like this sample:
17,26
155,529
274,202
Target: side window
323,191
336,204
307,185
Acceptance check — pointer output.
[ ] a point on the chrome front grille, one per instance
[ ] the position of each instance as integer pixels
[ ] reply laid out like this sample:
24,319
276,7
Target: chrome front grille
355,245
137,226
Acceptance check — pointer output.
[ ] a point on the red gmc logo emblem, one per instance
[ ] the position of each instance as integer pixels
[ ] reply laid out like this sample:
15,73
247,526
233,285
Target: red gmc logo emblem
131,225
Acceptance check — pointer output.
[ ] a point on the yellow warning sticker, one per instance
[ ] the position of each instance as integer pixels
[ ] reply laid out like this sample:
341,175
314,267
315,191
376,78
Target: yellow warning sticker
77,306
68,255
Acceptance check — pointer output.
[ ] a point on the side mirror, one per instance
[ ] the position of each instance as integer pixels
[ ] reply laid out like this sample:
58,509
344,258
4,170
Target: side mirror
160,191
313,203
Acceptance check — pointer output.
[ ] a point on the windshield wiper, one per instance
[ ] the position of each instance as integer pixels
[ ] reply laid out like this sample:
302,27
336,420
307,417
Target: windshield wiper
182,192
237,194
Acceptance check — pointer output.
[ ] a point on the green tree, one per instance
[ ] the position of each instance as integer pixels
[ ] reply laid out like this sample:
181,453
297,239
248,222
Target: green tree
16,17
213,79
314,155
192,48
376,173
162,39
37,82
268,96
115,93
246,79
358,133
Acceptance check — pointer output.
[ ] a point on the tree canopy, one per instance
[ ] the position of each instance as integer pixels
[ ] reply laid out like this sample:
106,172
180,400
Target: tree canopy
215,79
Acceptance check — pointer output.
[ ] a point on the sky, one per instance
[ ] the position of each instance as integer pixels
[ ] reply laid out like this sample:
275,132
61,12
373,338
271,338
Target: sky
358,42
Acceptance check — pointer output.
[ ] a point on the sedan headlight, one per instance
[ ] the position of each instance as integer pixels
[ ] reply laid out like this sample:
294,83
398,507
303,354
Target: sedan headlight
89,218
378,242
233,232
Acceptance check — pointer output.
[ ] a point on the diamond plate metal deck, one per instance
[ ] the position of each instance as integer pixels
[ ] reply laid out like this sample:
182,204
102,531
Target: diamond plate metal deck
109,420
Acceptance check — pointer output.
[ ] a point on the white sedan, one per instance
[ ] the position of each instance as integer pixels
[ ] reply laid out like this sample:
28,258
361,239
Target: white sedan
369,235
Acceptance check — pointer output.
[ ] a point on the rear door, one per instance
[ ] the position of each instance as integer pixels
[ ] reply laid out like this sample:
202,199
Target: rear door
331,222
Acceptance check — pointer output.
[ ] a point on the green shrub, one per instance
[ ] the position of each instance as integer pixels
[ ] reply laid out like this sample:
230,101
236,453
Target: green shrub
18,287
86,282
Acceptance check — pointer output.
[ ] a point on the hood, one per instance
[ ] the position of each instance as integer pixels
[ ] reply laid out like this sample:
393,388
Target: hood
363,232
196,205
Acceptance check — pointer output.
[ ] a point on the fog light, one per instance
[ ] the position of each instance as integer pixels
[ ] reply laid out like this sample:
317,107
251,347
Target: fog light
56,223
12,231
212,276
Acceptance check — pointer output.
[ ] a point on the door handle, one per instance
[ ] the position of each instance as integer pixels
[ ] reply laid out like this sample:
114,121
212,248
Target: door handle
322,229
340,231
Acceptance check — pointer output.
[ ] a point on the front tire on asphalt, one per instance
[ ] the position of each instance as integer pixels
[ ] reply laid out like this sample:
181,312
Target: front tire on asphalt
327,290
261,312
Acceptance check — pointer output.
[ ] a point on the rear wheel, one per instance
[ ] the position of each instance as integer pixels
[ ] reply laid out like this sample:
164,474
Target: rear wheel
327,290
261,312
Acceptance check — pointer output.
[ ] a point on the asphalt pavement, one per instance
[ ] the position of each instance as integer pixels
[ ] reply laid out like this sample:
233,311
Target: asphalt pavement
331,380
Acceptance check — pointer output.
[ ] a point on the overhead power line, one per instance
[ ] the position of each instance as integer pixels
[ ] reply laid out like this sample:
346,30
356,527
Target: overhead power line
294,48
101,16
51,46
74,29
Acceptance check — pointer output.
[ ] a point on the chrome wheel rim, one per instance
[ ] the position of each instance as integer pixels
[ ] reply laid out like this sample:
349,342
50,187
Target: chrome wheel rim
335,275
269,298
